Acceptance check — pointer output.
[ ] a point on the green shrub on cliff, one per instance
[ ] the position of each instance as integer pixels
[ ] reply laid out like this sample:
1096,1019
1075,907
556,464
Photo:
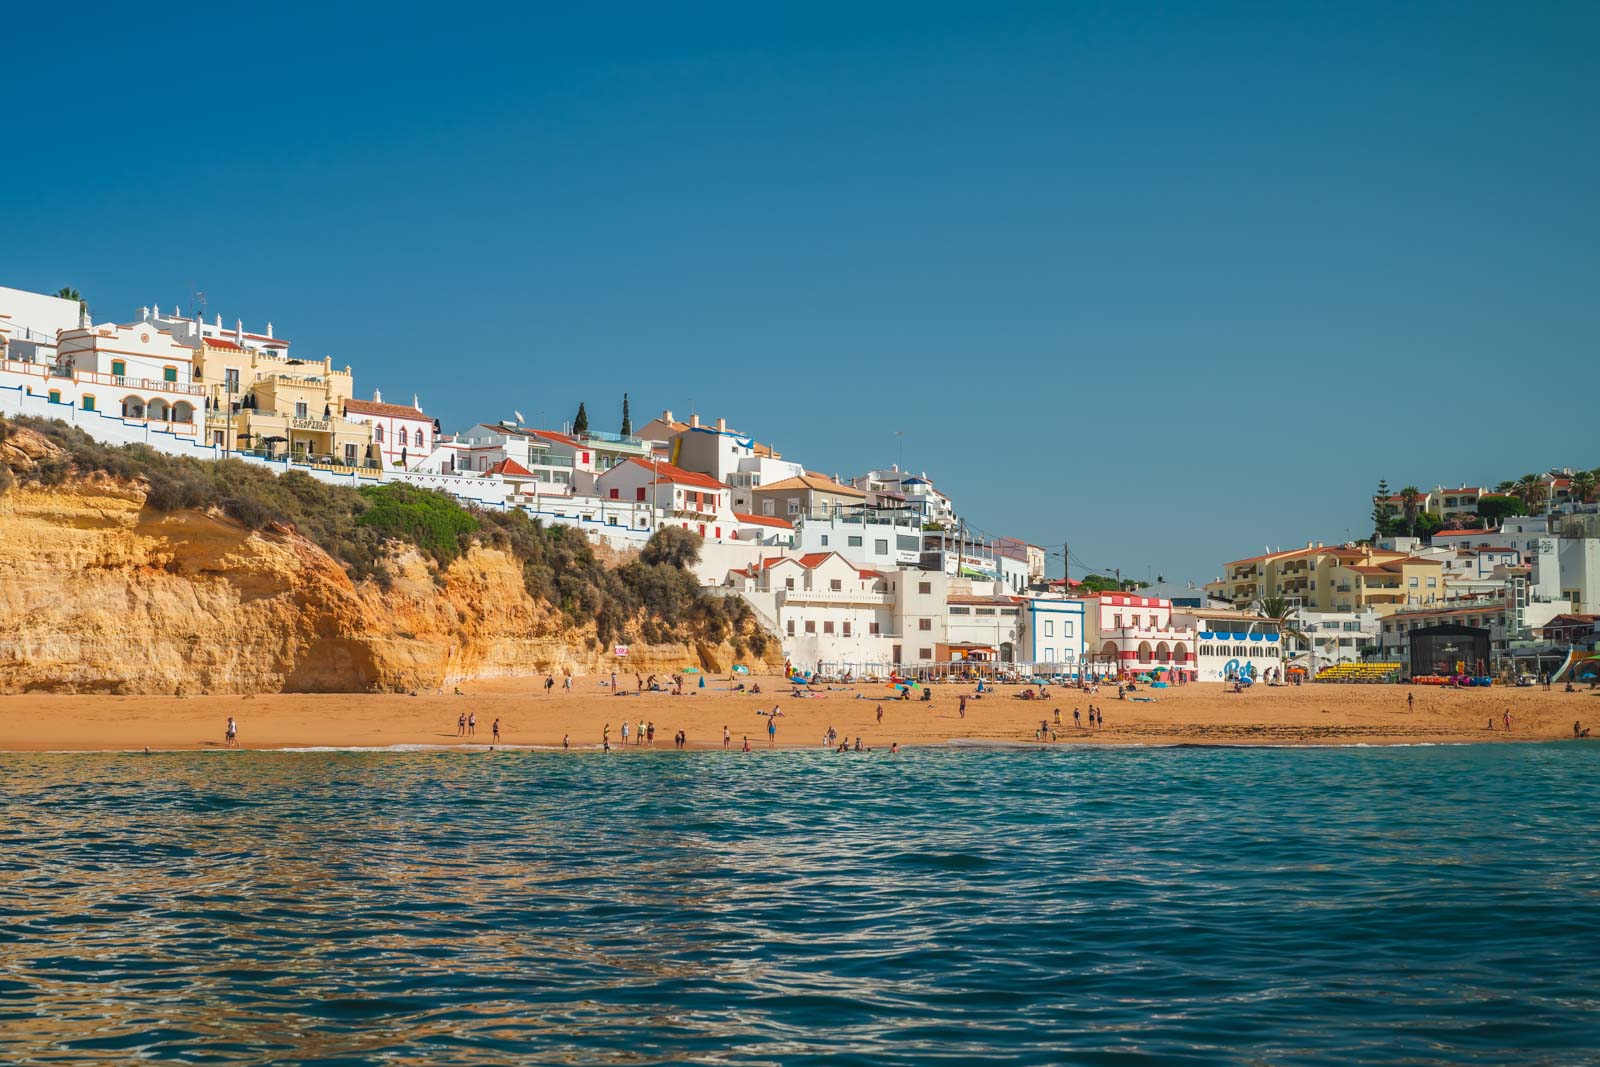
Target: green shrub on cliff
655,597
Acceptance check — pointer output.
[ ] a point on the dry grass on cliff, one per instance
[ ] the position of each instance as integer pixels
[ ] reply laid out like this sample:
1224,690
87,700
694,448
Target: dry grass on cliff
653,597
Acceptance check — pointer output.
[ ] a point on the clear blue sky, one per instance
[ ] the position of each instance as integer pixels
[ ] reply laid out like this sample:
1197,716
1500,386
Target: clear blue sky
1265,253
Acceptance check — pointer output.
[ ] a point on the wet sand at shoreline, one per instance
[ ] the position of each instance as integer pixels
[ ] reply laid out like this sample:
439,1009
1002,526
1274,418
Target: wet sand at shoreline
1195,714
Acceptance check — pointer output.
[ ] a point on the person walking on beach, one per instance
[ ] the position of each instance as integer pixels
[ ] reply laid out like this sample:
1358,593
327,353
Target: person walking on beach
613,683
566,682
1411,701
1507,717
461,725
497,731
549,683
472,724
727,737
566,742
772,729
624,733
638,734
650,731
230,736
961,706
747,742
1100,718
880,714
1077,719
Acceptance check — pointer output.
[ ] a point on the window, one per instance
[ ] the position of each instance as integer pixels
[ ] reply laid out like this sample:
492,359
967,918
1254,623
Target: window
230,379
377,433
791,627
824,540
811,626
960,611
88,402
1066,627
169,374
925,653
924,587
853,541
300,413
1116,622
873,629
767,508
638,494
881,546
924,624
847,628
349,455
827,627
1049,628
55,396
119,368
1433,583
835,584
1412,581
585,457
788,583
794,507
614,494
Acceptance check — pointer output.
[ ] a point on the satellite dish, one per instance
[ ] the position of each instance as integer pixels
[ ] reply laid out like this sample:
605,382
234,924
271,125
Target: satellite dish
520,419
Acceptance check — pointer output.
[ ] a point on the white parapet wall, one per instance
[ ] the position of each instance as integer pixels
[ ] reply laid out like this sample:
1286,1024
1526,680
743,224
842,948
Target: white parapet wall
26,389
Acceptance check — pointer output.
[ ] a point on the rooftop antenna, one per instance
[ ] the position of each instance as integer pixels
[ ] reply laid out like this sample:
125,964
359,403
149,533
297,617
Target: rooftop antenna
198,311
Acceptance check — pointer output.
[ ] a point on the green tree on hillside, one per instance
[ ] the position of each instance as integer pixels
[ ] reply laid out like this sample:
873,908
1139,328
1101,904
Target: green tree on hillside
1530,489
1411,507
1383,512
580,421
1493,507
1584,486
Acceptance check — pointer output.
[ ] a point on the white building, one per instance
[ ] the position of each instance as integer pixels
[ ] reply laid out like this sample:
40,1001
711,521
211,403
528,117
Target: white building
866,536
1230,645
894,487
1132,634
1054,634
1336,637
31,322
684,498
403,436
829,613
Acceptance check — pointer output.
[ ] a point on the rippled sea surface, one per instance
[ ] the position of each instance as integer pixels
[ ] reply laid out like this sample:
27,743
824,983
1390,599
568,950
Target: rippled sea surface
1162,906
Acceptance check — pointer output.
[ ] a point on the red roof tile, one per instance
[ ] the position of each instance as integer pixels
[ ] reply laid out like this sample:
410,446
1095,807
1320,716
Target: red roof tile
394,411
764,520
511,467
673,475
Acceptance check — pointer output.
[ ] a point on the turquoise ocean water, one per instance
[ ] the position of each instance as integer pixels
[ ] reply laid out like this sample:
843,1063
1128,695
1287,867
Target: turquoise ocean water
1157,906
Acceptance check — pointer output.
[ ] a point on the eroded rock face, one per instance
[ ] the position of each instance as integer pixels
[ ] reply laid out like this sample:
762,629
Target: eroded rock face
99,594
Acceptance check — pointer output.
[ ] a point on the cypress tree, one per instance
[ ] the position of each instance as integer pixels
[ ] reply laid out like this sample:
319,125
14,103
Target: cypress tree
580,421
627,423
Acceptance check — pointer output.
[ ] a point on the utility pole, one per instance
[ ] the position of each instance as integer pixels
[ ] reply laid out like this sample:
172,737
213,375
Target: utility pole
1066,567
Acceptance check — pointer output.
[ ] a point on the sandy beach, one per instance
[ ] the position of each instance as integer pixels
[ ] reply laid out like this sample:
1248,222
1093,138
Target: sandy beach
1194,714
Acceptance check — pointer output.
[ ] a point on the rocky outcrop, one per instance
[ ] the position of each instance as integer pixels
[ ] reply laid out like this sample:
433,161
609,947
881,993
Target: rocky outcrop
100,594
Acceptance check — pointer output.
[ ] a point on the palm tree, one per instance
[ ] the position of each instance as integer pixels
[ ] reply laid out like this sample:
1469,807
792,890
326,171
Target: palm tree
66,292
1583,486
1505,487
1411,506
1530,489
1279,610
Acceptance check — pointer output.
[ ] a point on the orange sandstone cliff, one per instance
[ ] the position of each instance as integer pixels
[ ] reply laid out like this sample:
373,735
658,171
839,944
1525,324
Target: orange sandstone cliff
100,594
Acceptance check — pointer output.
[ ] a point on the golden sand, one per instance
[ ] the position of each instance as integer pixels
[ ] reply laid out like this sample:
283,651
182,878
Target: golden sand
1194,714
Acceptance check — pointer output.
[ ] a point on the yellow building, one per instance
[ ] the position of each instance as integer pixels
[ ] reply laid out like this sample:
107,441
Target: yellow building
1337,578
276,406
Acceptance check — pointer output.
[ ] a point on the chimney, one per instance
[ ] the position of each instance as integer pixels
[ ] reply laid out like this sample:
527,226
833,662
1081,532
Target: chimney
155,311
219,320
144,314
269,329
238,330
722,425
377,397
694,421
666,416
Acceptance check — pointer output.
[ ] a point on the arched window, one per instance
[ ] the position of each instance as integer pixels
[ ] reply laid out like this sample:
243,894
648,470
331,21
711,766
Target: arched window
377,432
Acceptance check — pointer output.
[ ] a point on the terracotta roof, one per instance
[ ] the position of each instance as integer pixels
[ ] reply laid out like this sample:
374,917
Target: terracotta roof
511,467
813,559
669,474
764,520
396,411
221,342
815,482
962,598
869,574
559,438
